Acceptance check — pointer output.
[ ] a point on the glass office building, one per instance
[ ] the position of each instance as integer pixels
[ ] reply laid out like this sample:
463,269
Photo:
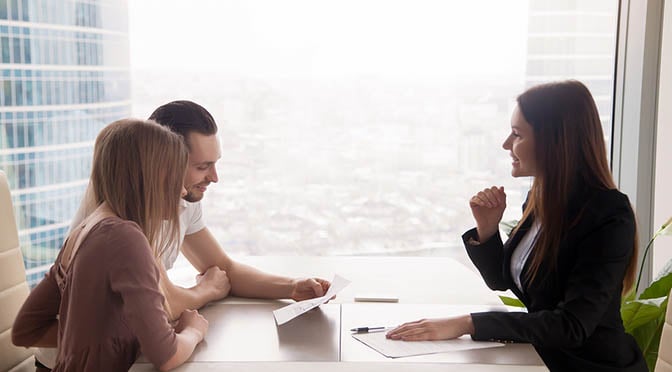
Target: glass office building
575,39
65,74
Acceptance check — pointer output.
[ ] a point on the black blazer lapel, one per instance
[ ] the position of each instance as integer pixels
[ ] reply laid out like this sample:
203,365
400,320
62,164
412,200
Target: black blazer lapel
509,247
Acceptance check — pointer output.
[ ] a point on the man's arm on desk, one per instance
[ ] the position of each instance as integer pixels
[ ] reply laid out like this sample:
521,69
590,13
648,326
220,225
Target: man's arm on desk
212,285
203,251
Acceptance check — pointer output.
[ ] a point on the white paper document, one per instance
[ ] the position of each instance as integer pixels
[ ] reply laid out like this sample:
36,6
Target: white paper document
291,311
398,348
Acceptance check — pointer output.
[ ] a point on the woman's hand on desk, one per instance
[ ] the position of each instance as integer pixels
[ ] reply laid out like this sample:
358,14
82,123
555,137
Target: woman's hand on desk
304,289
433,329
190,331
194,321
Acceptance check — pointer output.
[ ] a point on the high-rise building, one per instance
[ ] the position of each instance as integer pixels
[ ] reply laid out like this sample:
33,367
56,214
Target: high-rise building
575,39
65,75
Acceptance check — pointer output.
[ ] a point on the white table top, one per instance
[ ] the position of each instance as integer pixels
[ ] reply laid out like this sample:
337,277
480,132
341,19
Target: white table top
248,333
364,314
340,367
243,337
414,280
437,286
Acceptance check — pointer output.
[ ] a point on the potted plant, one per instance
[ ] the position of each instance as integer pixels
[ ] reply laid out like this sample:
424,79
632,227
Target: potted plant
644,314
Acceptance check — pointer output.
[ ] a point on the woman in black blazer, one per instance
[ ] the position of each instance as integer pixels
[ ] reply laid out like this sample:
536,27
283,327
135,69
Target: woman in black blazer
572,255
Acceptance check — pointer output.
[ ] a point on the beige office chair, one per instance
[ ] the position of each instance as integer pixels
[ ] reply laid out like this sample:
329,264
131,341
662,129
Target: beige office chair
13,286
664,363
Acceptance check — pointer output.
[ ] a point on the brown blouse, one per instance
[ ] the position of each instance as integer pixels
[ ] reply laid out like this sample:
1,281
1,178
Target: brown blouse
109,305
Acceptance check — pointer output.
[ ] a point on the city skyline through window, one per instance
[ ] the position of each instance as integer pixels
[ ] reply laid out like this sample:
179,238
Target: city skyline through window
362,127
349,128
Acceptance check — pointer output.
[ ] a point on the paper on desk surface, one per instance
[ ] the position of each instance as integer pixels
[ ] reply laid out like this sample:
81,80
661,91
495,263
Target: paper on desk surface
397,348
291,311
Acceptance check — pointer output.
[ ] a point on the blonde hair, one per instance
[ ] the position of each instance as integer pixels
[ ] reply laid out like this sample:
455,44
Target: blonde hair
138,171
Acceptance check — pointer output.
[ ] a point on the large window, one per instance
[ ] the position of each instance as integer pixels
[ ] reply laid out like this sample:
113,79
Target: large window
362,127
64,74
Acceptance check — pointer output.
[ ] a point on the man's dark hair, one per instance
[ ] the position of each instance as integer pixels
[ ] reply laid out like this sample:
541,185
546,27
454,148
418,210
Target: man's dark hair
184,117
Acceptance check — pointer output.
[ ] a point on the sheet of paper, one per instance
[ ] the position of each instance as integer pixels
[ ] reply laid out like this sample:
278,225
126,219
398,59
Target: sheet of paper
291,311
398,349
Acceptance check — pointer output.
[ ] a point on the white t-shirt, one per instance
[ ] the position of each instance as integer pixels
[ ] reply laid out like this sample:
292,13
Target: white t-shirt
191,221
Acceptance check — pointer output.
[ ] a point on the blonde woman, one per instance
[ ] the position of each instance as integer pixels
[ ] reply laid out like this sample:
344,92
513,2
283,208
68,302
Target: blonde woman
101,301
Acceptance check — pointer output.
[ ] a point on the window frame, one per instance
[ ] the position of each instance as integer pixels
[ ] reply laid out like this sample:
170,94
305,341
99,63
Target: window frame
633,148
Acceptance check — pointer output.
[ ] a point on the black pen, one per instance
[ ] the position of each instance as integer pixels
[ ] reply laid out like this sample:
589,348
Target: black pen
367,329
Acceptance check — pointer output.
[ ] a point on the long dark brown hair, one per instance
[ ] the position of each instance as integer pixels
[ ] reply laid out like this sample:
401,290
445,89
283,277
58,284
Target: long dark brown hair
570,154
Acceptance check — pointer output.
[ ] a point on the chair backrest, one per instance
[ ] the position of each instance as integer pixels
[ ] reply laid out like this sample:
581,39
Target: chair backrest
664,362
13,285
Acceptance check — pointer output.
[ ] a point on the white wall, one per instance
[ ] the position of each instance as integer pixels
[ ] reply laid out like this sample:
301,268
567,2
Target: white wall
663,182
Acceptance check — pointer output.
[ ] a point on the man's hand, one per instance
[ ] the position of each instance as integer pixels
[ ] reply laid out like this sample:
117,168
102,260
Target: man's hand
215,282
304,289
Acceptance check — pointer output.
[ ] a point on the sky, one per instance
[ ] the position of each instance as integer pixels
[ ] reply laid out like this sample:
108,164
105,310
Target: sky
437,38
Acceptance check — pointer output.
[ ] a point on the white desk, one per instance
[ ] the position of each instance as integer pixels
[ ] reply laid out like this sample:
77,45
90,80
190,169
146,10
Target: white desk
339,367
414,280
361,314
248,333
243,337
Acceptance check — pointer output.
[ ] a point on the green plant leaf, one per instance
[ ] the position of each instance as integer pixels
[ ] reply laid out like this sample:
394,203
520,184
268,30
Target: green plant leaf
659,288
637,313
510,301
508,226
648,339
644,318
631,295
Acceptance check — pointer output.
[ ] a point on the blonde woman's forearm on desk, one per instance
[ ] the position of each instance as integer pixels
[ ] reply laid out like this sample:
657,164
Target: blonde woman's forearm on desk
190,329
